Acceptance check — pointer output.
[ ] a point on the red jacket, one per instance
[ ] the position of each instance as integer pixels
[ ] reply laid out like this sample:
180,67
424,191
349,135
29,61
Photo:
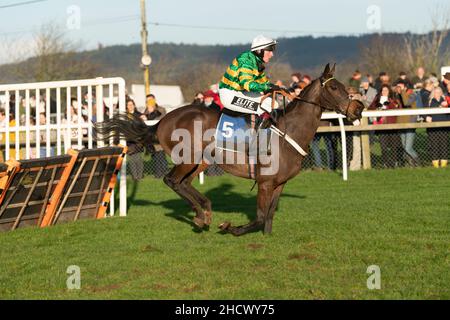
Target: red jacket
391,104
217,100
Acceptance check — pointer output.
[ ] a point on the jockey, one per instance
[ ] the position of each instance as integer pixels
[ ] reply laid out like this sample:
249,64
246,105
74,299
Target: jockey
244,82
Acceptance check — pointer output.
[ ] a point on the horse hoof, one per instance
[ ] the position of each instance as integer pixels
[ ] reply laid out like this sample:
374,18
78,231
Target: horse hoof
208,217
224,226
199,222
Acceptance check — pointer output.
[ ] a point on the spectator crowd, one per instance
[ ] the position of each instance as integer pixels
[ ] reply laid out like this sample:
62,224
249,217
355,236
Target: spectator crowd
397,146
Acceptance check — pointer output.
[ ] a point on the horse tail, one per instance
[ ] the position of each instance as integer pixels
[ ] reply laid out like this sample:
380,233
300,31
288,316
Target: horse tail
126,126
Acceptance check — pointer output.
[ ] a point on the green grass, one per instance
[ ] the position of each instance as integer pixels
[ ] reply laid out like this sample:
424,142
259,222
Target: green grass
326,233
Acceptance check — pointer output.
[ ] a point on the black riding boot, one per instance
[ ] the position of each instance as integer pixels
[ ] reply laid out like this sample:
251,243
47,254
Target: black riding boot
263,123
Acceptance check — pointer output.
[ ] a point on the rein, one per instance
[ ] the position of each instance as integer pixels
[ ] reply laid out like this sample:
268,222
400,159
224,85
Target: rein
292,97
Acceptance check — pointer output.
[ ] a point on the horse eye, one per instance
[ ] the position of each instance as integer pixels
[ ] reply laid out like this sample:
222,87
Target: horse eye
333,87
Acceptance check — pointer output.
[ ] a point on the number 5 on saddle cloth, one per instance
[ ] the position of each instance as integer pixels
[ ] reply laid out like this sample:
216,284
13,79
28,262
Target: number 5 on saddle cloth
236,133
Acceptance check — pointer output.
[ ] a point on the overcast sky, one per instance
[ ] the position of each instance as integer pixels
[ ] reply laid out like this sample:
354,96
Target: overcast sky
211,21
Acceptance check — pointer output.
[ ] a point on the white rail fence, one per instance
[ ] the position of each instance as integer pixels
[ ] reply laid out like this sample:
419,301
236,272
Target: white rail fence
63,128
365,114
368,114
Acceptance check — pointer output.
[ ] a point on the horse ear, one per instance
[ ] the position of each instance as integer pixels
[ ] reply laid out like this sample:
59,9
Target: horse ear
326,71
333,69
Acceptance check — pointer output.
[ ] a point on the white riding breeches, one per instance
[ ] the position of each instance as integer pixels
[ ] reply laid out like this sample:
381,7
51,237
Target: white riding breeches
245,102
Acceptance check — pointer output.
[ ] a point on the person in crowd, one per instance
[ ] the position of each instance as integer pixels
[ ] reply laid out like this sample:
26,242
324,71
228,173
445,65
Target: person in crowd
134,154
12,135
438,137
198,99
159,162
356,159
307,79
355,80
43,137
3,125
390,143
209,101
406,100
368,93
73,119
212,170
215,90
419,79
330,145
447,96
434,79
152,110
370,77
299,88
444,83
295,80
402,77
424,93
382,80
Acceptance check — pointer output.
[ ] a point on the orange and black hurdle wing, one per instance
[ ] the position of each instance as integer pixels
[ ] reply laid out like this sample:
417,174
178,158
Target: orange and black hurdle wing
89,185
28,186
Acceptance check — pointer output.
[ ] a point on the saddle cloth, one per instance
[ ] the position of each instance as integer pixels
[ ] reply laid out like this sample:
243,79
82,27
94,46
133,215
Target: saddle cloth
236,133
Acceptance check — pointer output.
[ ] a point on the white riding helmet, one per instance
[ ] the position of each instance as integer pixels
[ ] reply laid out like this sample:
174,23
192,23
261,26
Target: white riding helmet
262,42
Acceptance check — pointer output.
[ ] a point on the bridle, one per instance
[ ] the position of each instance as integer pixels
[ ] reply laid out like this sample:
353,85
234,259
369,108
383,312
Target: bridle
293,97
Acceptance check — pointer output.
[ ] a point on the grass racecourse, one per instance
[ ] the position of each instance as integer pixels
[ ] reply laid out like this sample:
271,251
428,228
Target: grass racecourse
326,234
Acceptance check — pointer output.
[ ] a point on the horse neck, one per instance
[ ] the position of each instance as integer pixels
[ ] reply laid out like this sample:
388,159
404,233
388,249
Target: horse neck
301,123
303,118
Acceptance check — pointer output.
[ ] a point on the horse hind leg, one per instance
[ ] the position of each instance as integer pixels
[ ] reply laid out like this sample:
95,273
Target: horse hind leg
201,198
175,179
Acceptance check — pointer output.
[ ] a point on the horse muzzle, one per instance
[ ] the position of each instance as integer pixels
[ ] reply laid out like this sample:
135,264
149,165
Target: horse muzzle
354,110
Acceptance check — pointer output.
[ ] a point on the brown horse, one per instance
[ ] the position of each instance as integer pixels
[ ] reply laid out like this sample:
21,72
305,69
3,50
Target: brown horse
300,122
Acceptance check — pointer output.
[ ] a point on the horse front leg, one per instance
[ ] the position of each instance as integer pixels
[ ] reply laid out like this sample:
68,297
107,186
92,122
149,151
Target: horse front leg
174,179
264,198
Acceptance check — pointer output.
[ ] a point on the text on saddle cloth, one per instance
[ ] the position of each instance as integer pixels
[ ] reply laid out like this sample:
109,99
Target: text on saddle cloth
236,134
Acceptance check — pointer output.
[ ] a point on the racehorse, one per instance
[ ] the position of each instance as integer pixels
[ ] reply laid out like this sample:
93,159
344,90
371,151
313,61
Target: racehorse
300,122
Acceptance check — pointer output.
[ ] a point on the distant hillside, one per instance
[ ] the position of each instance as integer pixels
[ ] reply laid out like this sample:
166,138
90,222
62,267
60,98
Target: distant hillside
184,64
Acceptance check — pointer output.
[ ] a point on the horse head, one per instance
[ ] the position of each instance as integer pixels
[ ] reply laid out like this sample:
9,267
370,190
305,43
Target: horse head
334,96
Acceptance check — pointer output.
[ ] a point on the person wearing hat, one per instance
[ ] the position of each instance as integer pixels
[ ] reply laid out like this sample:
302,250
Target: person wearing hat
402,77
368,93
355,80
244,82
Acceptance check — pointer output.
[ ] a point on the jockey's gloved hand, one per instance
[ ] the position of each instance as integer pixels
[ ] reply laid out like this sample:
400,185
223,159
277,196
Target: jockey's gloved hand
274,87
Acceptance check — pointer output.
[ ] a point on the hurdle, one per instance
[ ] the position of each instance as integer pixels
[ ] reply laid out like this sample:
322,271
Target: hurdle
26,189
89,187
